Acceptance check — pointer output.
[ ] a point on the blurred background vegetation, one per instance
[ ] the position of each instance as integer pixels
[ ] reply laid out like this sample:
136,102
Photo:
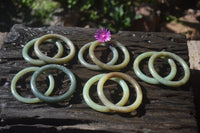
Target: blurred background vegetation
137,15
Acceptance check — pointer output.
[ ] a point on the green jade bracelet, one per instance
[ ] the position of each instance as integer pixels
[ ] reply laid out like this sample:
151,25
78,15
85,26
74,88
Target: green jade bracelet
95,67
38,61
109,66
161,79
50,59
102,108
29,100
111,106
148,79
57,98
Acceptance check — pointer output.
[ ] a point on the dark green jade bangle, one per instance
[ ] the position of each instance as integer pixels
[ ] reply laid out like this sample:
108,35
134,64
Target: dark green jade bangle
50,59
38,61
57,98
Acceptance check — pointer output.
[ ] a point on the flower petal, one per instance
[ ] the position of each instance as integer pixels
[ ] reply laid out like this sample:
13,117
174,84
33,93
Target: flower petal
103,35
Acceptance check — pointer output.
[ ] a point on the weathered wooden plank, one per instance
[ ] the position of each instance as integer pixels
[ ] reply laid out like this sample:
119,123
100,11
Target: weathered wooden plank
164,109
194,53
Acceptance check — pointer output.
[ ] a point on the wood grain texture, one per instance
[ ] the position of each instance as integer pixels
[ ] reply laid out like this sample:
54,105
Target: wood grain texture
164,109
194,54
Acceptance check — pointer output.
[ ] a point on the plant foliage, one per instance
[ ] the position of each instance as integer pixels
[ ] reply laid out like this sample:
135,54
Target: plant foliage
113,14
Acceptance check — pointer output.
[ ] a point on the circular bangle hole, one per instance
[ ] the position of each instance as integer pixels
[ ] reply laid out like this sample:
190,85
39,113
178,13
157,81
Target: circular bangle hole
144,67
66,49
49,48
121,54
62,82
42,83
23,85
31,53
103,53
113,91
93,94
161,66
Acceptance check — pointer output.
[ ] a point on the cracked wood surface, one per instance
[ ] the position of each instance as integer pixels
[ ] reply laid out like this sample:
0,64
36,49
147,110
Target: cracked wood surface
164,109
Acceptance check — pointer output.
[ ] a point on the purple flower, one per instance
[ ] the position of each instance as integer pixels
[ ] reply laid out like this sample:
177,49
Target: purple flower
103,35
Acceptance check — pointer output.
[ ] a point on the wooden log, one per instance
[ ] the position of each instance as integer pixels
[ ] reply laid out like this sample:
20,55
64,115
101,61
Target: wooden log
194,54
164,109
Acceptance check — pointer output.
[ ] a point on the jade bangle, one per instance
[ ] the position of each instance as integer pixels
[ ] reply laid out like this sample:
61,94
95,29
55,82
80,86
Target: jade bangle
57,98
106,66
161,79
37,61
95,67
102,108
110,105
148,79
50,59
29,100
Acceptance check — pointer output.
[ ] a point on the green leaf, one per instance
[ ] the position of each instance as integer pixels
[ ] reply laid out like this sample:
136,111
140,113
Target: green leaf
127,22
94,15
137,16
121,11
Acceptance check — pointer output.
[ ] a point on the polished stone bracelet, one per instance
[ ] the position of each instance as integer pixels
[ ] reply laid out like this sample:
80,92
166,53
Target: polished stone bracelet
29,100
157,79
95,67
55,99
148,79
109,66
38,61
99,107
54,60
117,108
108,106
165,81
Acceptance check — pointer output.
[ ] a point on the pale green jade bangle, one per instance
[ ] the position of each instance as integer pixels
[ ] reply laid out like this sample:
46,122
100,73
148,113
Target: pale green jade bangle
59,98
29,100
95,67
102,108
161,79
148,79
109,66
38,61
50,59
110,105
